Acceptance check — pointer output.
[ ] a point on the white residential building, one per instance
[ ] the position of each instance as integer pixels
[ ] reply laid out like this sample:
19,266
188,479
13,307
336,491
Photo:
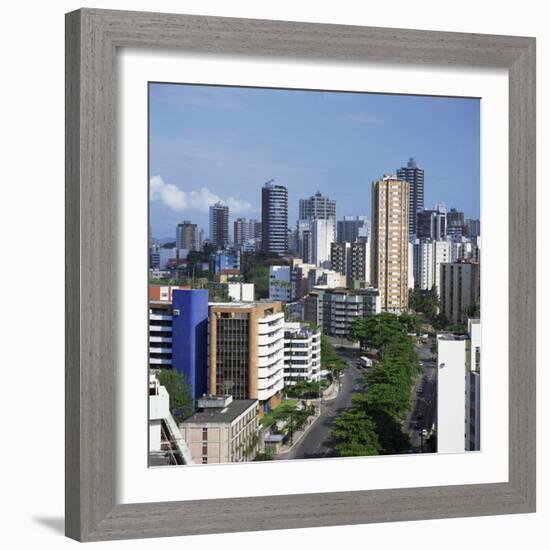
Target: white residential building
241,292
302,354
335,309
322,236
458,383
279,283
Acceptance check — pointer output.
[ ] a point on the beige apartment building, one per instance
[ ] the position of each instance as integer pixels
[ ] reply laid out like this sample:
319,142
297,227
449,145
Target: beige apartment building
247,351
223,430
390,242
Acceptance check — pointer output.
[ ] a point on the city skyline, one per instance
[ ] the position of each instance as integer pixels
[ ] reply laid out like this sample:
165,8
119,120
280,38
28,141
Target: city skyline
204,139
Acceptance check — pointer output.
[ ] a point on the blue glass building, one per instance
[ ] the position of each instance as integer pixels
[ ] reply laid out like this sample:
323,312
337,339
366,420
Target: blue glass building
190,337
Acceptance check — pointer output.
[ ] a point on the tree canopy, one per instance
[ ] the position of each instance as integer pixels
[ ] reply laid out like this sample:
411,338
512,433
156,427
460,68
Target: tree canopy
181,400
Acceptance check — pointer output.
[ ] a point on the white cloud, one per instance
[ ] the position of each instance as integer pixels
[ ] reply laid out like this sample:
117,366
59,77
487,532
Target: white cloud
178,200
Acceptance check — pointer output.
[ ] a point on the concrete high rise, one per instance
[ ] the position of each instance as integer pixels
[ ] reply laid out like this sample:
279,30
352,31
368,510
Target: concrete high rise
351,228
455,223
317,207
458,290
390,242
187,236
458,390
274,218
219,225
245,230
431,224
351,260
415,177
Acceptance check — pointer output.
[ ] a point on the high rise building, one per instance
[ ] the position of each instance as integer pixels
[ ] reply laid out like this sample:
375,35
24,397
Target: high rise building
219,225
431,224
317,207
472,228
352,228
247,351
427,260
458,385
322,236
187,236
415,177
458,289
178,334
274,218
390,242
351,260
455,223
245,230
340,257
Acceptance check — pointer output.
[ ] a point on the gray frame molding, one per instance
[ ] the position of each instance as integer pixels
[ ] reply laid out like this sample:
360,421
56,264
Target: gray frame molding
92,38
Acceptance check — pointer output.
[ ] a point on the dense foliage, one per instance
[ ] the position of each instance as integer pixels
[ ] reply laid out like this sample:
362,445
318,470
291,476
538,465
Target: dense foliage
181,400
255,269
329,358
373,422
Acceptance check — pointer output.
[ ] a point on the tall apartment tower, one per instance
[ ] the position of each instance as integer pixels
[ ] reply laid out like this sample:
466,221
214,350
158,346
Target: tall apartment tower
455,223
415,177
187,236
219,225
390,242
317,207
352,228
458,289
247,351
274,218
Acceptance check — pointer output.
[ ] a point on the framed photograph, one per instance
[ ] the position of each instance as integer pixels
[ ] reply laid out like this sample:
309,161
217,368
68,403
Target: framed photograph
300,276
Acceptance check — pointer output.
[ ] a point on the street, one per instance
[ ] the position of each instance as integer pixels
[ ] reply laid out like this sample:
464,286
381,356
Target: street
423,404
316,441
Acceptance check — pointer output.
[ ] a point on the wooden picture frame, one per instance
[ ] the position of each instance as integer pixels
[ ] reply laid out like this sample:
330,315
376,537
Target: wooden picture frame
92,39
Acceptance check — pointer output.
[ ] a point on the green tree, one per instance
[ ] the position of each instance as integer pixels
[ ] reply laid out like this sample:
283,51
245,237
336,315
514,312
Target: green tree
376,331
181,400
355,434
330,360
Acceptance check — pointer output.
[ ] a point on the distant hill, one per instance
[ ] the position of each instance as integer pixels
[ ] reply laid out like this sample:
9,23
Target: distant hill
164,240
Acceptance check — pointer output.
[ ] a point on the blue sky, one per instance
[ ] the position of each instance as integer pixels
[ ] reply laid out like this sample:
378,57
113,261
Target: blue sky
209,143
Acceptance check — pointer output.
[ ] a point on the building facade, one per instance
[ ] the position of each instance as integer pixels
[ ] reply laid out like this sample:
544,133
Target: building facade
247,351
351,228
415,176
458,390
390,242
223,430
459,289
187,236
279,283
317,207
335,309
302,354
274,218
219,225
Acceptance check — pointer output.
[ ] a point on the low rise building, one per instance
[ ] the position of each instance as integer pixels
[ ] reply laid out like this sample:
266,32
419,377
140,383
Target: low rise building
223,430
335,309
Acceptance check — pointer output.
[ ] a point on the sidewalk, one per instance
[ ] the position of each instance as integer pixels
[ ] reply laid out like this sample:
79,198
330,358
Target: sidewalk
334,390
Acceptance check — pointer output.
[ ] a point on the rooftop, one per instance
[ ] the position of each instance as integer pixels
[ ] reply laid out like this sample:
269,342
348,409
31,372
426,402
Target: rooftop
228,414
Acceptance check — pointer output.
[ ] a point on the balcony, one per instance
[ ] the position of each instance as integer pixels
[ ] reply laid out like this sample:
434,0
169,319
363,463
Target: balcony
156,361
